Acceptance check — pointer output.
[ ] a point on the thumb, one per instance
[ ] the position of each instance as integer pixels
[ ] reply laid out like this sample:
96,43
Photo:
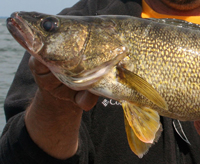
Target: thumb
86,100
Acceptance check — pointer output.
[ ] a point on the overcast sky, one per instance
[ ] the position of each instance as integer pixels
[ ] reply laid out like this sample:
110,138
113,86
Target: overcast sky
45,6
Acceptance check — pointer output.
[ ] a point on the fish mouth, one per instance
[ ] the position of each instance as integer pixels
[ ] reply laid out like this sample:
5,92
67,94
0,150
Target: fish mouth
24,34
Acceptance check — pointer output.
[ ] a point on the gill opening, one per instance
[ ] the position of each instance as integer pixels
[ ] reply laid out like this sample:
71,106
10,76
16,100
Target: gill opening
82,50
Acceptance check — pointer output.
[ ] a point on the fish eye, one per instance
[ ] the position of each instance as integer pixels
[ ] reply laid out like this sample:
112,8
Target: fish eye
49,24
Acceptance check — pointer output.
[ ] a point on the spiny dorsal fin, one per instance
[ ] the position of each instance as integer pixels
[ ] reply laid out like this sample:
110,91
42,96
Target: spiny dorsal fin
176,22
140,85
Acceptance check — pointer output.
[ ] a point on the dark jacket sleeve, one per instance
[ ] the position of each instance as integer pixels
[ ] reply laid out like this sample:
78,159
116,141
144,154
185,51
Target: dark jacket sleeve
16,146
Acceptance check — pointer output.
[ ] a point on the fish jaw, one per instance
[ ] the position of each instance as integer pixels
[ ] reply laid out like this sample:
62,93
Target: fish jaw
84,82
24,34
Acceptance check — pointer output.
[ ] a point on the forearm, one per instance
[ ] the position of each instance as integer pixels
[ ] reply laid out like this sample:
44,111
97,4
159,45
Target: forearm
53,124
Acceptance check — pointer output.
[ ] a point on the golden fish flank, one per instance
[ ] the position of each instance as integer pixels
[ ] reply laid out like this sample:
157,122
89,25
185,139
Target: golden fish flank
150,65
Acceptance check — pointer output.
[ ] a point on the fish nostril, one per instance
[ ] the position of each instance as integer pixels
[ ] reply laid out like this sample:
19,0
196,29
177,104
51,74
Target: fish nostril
9,20
13,15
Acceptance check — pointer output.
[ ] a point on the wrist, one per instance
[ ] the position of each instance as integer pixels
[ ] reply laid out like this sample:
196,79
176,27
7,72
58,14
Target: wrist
53,124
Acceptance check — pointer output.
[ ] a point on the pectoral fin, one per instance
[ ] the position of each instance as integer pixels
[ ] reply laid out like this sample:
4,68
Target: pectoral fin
141,86
144,122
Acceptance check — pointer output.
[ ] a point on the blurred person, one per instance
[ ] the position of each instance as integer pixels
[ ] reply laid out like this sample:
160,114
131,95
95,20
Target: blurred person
49,123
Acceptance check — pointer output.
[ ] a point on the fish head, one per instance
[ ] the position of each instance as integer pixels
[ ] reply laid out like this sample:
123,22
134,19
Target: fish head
53,40
78,50
24,28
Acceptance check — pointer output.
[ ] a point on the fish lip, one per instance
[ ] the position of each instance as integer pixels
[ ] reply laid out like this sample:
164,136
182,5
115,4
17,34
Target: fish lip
23,33
14,23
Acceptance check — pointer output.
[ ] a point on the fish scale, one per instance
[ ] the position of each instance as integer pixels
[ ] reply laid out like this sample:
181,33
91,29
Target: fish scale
177,79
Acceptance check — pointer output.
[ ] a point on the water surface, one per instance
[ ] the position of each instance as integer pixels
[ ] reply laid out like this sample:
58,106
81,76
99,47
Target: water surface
10,56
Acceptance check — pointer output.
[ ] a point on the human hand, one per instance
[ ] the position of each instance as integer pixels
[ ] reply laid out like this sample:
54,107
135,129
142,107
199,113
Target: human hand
54,116
48,82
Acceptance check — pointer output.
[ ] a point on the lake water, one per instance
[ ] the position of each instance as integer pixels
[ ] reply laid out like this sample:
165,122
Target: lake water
10,56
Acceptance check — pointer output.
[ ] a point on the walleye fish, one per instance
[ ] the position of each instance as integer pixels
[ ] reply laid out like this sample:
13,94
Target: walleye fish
151,66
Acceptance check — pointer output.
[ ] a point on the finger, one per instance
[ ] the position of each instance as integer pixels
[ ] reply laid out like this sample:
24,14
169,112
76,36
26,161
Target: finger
37,67
64,93
85,100
43,76
46,80
197,126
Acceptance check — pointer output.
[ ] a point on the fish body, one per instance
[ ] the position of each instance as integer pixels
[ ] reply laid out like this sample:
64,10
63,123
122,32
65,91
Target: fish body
151,66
